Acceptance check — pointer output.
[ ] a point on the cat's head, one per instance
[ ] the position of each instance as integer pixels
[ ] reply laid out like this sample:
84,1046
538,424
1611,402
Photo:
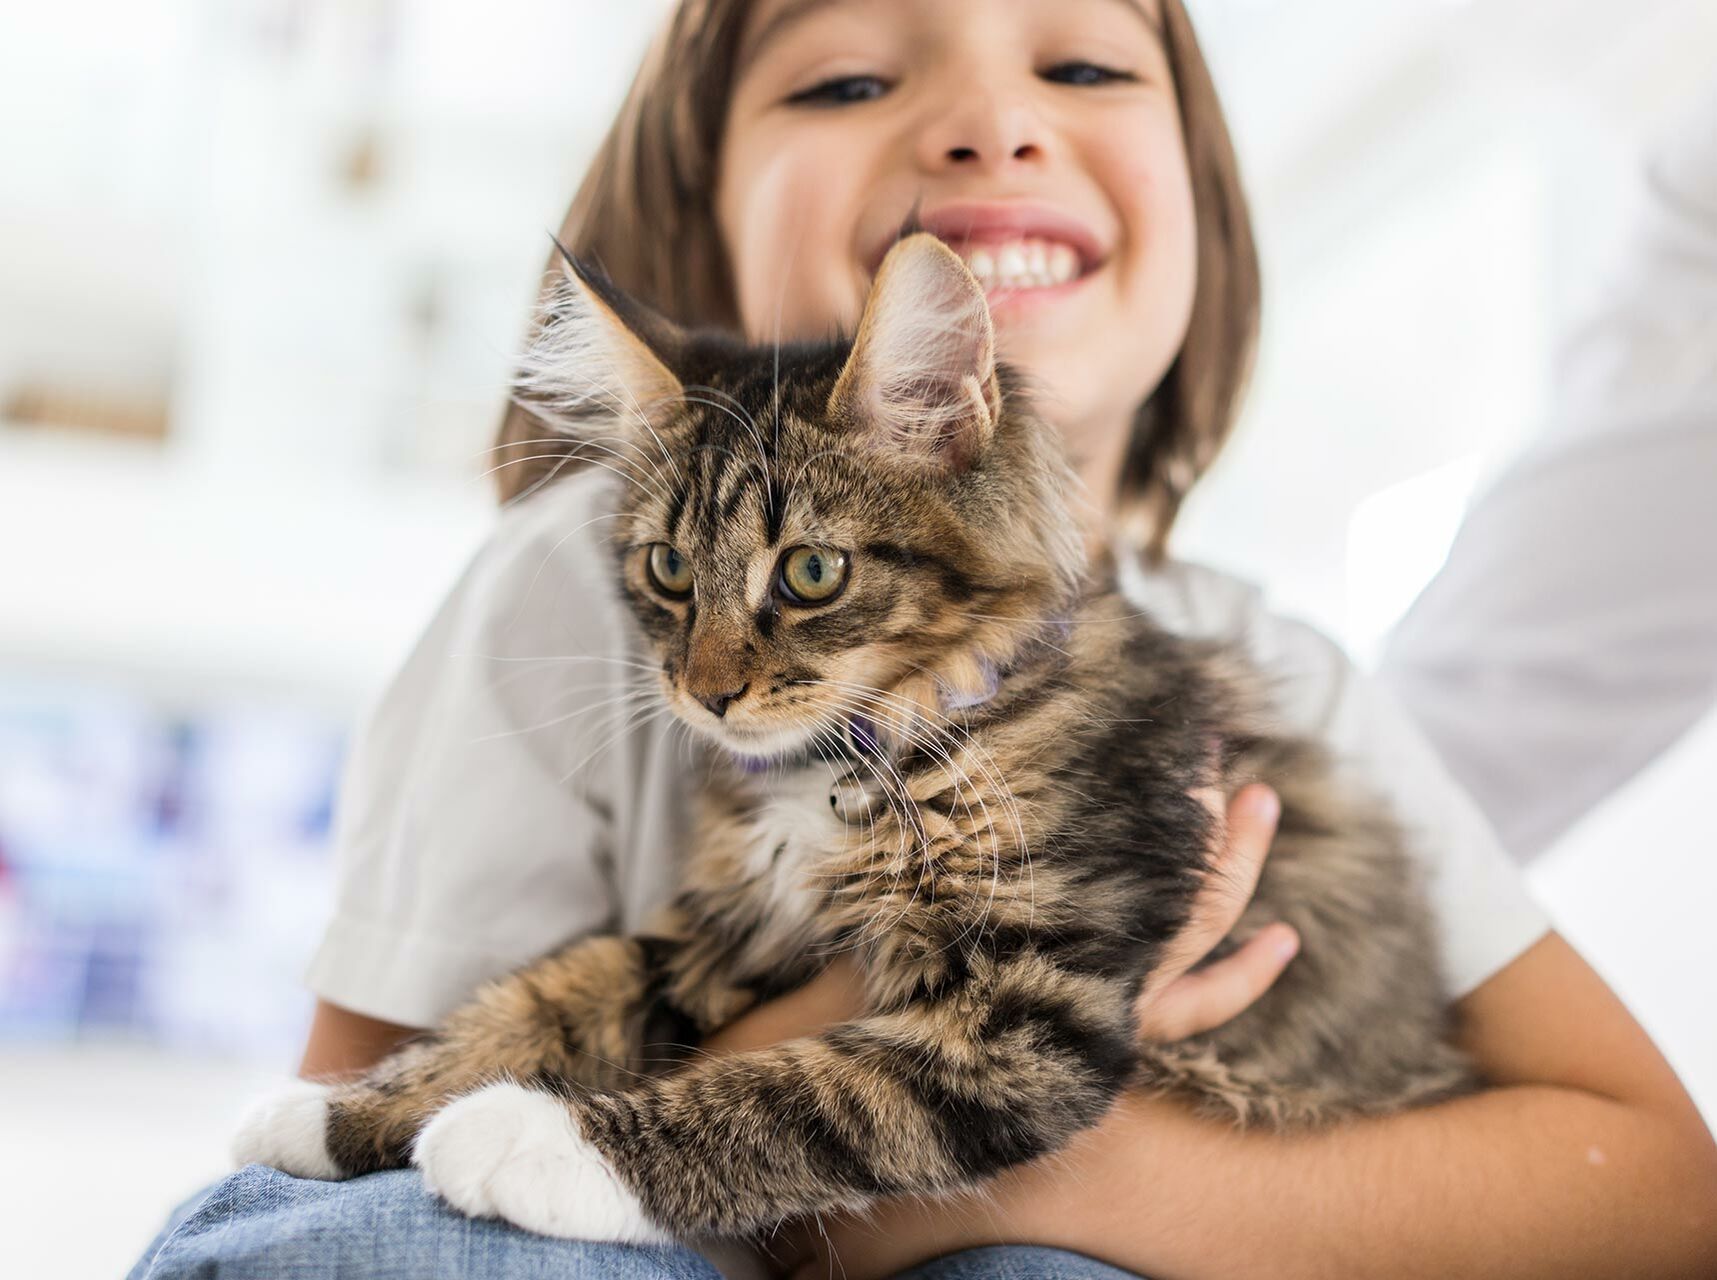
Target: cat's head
817,535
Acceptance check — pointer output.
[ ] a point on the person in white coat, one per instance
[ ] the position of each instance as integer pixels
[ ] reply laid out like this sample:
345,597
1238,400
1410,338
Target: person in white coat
1571,636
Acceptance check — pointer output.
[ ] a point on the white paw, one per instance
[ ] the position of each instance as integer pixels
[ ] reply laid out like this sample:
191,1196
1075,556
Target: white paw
289,1130
507,1152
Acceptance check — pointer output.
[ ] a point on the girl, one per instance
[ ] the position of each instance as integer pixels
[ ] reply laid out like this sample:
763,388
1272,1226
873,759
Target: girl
1073,152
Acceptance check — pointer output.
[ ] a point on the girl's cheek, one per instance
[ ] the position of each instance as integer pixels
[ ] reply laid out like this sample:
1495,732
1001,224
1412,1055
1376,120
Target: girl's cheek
1153,182
791,215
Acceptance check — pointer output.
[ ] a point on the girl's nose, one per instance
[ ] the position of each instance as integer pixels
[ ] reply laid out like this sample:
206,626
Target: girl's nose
982,132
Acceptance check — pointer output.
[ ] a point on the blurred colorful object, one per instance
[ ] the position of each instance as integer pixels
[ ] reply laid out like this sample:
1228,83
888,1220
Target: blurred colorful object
163,872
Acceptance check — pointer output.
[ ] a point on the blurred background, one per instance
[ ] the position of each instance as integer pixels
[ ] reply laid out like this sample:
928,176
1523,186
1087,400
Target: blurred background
262,263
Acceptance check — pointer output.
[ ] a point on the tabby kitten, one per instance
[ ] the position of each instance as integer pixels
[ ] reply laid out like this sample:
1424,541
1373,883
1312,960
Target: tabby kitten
940,751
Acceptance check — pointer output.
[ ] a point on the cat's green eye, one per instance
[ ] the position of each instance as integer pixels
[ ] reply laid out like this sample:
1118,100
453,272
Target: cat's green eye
812,575
668,570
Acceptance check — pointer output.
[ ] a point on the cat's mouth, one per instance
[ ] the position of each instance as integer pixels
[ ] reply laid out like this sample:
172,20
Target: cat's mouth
755,742
1010,247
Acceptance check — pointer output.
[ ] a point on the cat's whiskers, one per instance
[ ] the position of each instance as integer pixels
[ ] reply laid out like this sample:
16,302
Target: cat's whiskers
871,698
744,463
579,440
900,807
897,867
561,692
522,669
563,657
547,478
613,445
958,778
920,717
740,414
743,416
563,460
826,744
590,709
820,453
1004,796
986,764
634,719
525,595
662,448
576,438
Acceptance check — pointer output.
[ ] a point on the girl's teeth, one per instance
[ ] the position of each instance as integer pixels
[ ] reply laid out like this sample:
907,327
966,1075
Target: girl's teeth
1023,264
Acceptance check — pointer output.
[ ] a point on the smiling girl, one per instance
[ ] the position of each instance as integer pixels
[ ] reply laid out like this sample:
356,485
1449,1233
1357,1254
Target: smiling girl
1073,153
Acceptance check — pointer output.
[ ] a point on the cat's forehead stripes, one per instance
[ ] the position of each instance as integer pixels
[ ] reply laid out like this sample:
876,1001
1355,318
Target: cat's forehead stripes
744,474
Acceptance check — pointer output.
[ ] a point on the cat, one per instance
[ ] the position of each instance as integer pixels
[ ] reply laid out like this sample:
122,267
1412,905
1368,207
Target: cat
943,745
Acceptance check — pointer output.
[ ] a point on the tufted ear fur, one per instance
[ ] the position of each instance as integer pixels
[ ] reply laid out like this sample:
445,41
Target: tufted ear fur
597,362
921,380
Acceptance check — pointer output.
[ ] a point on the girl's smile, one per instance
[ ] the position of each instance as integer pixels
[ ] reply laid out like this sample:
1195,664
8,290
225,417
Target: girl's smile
1022,253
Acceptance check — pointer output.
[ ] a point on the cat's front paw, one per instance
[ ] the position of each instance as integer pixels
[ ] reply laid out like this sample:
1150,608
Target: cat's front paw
508,1152
289,1130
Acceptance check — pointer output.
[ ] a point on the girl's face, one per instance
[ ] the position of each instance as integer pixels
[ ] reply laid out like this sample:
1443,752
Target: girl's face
1039,138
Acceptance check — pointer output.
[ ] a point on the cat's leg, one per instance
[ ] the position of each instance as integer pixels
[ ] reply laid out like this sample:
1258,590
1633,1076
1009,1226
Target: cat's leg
1004,1068
585,1017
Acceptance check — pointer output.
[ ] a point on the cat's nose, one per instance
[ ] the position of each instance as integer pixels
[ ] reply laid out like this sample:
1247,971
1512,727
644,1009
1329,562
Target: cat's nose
718,702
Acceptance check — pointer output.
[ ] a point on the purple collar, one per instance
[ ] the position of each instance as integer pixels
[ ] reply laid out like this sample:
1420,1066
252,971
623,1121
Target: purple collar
861,729
862,735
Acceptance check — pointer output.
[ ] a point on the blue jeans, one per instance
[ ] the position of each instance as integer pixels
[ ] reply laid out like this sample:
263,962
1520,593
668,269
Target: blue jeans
261,1224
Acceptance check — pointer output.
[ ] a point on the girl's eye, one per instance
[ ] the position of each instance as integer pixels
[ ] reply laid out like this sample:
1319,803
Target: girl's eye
841,91
1086,73
812,575
668,570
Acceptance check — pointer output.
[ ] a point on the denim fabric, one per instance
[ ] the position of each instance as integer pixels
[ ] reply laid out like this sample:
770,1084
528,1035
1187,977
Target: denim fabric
1016,1262
261,1224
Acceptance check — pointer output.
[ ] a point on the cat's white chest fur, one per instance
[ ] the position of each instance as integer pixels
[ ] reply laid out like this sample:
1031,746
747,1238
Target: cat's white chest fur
792,830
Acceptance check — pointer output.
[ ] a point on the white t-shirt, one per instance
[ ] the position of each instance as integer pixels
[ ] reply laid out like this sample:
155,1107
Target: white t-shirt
519,784
1572,635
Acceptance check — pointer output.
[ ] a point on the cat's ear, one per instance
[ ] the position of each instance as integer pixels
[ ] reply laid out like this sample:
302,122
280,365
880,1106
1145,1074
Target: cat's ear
921,380
598,358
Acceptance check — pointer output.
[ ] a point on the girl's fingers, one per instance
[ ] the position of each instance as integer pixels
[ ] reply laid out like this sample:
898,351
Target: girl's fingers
1176,1003
1202,1001
1244,830
1250,826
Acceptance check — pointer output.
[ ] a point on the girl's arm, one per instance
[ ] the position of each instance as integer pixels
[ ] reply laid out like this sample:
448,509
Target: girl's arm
1179,1004
1585,1158
344,1043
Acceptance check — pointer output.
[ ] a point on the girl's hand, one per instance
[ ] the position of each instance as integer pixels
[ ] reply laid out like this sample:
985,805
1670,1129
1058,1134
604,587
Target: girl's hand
1178,1003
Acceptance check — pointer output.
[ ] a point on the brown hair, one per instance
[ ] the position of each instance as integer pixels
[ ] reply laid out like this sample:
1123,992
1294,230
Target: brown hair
645,214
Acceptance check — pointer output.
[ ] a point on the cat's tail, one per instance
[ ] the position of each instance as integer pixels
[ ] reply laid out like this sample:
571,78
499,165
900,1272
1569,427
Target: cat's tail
1228,1091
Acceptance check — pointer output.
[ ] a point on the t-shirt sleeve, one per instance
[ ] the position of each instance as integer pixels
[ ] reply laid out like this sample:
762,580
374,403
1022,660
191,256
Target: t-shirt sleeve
474,826
1485,913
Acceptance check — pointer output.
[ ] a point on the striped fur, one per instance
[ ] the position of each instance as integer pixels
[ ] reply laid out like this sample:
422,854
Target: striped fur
1006,869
